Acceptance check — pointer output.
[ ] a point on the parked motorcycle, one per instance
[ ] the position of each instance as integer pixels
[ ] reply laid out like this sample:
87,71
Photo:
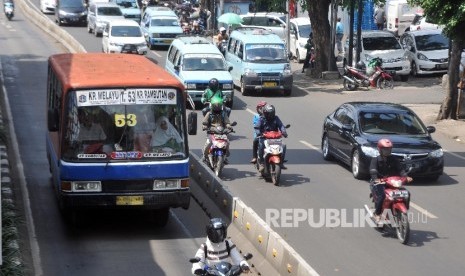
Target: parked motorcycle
222,268
355,77
395,207
9,10
272,156
217,152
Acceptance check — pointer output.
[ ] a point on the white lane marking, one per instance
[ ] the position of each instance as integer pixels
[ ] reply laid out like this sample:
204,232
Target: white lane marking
423,211
251,111
309,145
415,206
157,54
454,154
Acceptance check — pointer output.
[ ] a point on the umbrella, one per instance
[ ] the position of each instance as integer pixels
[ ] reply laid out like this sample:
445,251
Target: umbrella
230,19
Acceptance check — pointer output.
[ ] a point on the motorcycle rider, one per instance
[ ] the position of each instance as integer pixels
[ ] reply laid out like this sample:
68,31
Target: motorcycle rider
221,36
9,5
213,91
218,248
382,166
269,122
256,118
214,118
196,28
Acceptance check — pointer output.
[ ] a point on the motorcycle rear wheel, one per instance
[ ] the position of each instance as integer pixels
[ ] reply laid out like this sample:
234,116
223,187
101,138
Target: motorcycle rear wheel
383,83
402,228
275,172
349,86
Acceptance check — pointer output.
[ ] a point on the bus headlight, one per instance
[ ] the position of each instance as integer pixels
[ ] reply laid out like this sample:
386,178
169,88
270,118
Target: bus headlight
83,186
159,184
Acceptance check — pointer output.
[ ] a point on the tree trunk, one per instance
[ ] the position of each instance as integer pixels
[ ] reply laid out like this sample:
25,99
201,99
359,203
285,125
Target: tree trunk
318,11
449,105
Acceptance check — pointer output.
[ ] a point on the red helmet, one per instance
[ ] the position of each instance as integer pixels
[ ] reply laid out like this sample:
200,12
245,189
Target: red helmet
385,147
260,106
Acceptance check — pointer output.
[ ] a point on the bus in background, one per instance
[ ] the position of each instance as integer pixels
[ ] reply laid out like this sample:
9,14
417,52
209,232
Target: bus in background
117,135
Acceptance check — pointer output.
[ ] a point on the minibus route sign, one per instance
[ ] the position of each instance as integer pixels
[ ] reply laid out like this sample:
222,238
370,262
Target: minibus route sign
126,96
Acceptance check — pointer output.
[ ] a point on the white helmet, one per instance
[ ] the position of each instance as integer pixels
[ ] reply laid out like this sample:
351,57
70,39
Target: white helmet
222,29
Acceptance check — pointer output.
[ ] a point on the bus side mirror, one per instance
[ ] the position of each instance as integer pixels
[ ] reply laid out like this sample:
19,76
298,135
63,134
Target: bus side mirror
192,123
52,119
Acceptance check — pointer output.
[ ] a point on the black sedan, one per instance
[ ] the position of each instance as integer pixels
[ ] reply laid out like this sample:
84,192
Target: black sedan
351,133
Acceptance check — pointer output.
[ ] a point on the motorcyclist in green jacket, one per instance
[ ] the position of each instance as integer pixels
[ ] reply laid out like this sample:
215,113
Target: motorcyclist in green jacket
213,91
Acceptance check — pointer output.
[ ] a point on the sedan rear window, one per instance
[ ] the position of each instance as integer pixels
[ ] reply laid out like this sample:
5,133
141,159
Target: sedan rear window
404,123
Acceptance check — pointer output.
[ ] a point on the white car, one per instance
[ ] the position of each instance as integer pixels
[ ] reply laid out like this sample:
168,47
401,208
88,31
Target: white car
427,51
272,21
47,6
300,30
420,22
382,44
121,32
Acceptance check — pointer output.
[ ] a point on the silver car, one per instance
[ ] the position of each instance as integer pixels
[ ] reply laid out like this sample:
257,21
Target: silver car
100,14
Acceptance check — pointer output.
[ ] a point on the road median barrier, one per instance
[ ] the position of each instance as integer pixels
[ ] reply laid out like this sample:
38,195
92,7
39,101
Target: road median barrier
276,256
43,22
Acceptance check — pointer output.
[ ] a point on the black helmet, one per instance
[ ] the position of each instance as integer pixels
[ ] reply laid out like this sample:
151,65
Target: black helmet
216,105
360,65
216,230
213,84
269,112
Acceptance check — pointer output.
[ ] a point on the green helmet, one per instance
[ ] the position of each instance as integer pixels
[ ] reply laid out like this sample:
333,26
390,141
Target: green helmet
216,105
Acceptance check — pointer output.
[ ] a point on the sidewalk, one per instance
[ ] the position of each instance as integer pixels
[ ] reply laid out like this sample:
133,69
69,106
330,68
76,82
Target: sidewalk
454,129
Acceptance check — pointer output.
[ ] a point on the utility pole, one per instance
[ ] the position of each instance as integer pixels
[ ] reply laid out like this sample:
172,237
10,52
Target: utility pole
359,29
351,32
288,23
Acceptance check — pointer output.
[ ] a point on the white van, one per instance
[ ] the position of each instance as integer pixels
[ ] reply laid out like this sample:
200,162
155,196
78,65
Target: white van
400,16
300,30
194,60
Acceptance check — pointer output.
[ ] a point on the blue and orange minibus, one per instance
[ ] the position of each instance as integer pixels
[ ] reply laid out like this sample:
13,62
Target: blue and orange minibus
108,143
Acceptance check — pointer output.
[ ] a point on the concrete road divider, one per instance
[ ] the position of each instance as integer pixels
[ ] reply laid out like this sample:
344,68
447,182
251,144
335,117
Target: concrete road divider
277,256
43,22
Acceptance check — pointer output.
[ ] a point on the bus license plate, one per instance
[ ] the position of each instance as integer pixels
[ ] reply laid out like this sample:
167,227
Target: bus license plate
269,84
167,41
129,200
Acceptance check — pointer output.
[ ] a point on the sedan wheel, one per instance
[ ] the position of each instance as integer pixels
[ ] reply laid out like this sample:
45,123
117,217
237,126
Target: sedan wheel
325,149
414,69
356,165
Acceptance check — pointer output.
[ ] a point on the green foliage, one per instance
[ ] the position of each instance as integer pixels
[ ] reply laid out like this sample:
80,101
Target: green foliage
450,14
12,264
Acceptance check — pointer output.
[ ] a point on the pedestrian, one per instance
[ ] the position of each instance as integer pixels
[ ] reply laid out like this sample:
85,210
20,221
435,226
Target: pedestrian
339,36
380,17
308,46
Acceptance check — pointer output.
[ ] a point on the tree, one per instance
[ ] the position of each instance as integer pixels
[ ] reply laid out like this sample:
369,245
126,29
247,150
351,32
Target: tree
318,11
451,15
